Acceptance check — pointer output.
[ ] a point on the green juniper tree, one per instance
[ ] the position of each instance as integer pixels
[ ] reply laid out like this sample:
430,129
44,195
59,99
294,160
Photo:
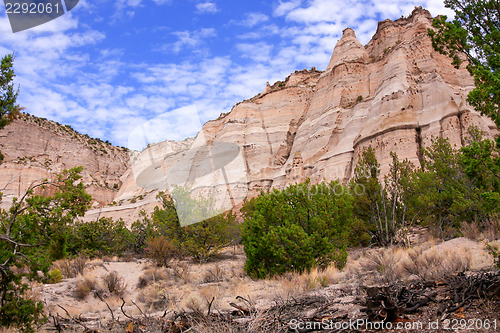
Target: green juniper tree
33,233
296,229
474,35
8,95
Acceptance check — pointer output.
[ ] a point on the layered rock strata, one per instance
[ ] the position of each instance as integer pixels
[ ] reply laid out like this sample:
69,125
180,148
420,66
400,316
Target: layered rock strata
394,94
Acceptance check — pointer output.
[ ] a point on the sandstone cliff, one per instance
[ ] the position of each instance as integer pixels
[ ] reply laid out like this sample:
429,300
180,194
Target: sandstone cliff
393,94
35,148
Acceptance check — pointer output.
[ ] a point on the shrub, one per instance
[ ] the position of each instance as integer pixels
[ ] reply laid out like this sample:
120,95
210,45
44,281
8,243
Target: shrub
101,237
141,231
54,276
161,250
382,211
458,186
33,235
202,240
71,268
151,275
296,229
495,252
86,285
215,274
156,296
114,283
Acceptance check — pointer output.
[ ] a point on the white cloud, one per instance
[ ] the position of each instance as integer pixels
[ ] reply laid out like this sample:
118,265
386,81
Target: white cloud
207,7
126,7
188,40
259,52
176,124
162,2
252,19
285,7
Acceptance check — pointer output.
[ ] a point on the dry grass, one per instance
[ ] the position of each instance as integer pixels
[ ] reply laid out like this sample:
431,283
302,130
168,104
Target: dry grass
181,271
486,231
151,275
114,283
214,274
429,261
85,285
156,296
190,286
71,268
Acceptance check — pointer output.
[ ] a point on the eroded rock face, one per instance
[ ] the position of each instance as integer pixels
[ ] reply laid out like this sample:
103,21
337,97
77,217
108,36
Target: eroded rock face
393,94
36,148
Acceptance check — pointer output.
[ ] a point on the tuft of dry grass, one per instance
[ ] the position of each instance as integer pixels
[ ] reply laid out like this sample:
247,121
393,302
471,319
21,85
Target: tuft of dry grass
181,271
151,275
429,261
114,283
214,274
71,268
85,285
156,296
485,231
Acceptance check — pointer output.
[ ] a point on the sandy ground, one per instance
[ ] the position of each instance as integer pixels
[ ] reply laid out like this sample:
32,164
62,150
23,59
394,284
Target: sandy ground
188,285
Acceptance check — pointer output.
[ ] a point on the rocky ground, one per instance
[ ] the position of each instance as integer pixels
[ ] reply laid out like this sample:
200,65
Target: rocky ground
430,287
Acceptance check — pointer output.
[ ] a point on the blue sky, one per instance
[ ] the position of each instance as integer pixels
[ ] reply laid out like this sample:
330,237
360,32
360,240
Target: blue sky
107,66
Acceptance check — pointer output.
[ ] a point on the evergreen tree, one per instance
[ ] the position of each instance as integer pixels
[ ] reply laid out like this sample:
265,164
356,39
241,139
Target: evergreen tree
474,35
8,95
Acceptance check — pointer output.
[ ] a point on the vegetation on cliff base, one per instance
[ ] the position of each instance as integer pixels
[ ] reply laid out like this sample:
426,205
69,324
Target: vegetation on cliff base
200,241
296,229
306,226
33,233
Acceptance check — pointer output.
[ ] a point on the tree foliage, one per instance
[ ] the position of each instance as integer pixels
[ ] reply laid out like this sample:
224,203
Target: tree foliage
202,240
384,206
475,33
98,238
453,186
33,233
444,193
295,229
8,95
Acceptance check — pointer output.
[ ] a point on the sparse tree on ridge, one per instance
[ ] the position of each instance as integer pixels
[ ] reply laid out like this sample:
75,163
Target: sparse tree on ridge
8,95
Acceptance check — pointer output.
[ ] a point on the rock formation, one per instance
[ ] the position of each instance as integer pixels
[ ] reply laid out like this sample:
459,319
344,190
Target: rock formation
394,94
35,148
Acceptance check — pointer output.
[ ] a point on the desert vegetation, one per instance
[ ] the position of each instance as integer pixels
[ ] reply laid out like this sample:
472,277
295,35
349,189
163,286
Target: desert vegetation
419,243
305,239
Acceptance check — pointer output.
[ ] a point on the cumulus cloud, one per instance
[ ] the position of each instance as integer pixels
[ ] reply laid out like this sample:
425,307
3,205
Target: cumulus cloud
162,2
285,7
252,19
188,40
206,7
126,7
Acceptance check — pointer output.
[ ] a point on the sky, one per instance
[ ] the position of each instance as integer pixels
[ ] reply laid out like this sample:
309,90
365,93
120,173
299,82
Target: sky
109,67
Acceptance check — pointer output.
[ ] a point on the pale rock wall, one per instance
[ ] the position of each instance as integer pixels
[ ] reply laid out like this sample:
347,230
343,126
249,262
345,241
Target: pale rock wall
394,94
36,148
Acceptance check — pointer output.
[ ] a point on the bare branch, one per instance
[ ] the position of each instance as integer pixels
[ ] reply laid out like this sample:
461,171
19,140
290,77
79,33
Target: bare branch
123,311
10,240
